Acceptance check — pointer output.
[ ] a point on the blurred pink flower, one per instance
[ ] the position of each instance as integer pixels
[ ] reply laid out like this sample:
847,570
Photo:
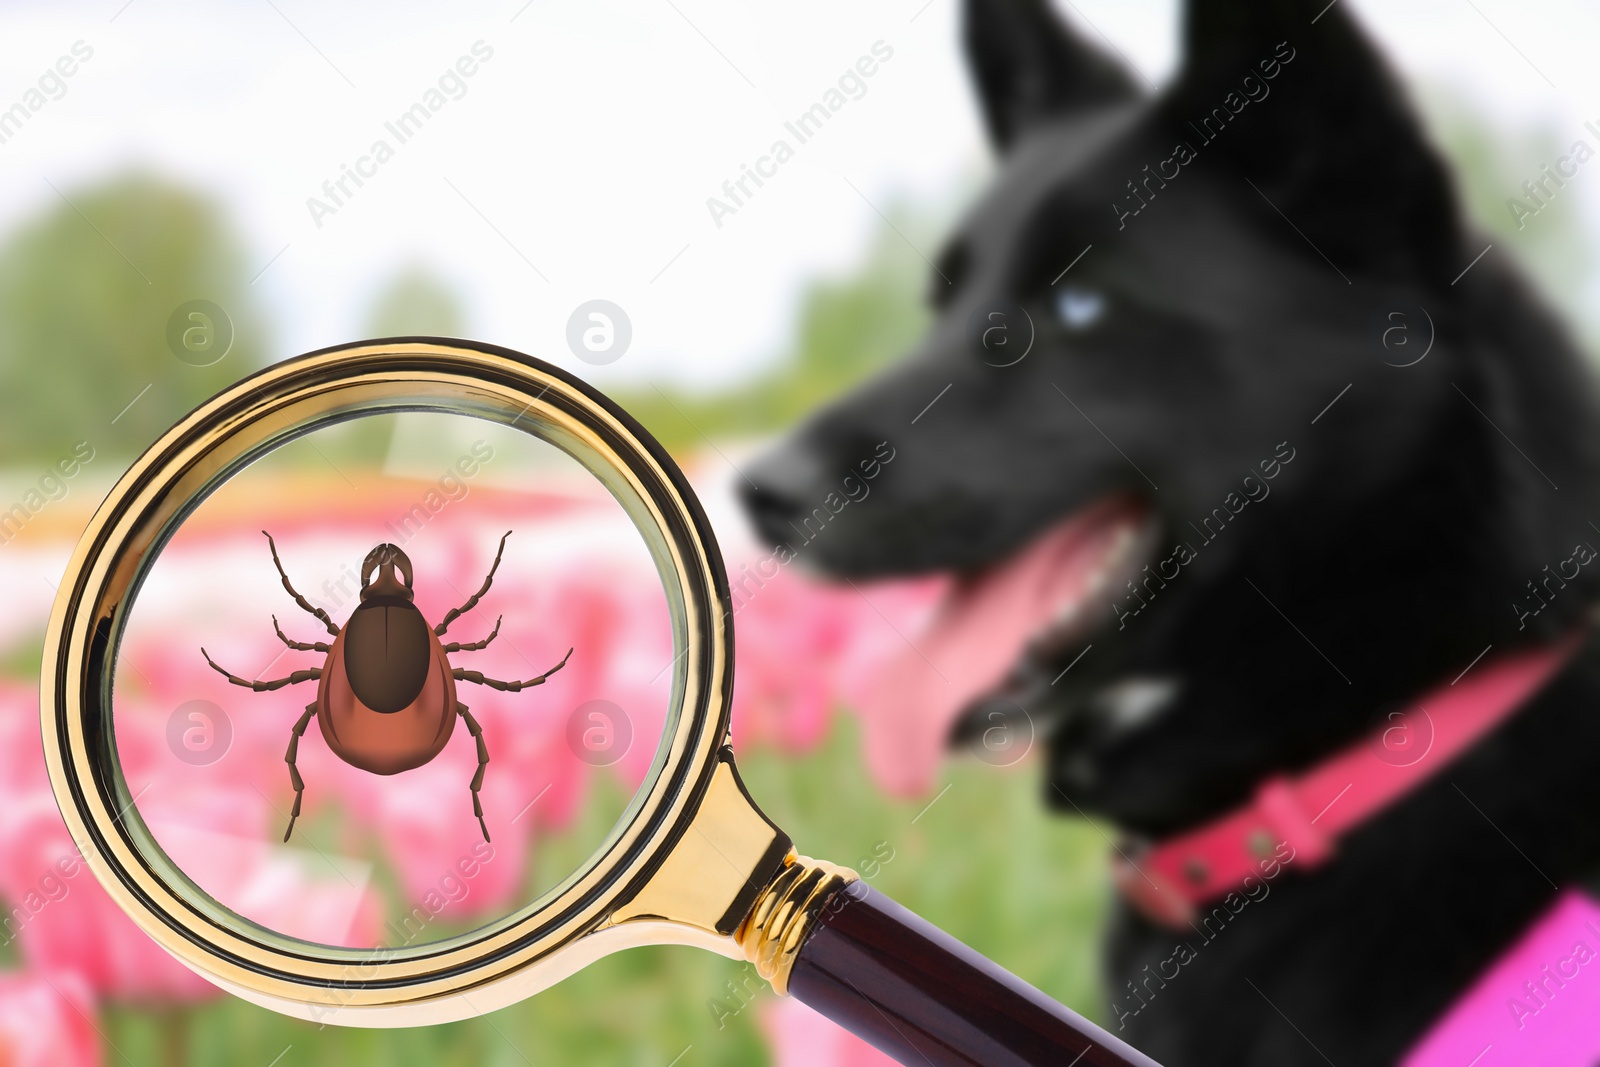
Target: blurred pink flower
46,1022
424,820
804,647
56,911
64,922
85,934
629,627
801,1038
789,642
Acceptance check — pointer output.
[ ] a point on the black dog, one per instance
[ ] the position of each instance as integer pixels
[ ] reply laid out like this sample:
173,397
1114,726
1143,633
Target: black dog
1247,238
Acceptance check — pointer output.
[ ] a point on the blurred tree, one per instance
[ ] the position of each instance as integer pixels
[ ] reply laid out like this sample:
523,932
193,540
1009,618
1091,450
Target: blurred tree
416,302
846,328
86,295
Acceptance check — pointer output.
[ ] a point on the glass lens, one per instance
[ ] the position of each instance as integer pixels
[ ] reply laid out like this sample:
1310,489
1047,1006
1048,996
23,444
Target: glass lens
400,674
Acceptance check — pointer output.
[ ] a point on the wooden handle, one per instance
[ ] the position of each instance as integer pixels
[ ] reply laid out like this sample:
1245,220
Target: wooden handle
921,996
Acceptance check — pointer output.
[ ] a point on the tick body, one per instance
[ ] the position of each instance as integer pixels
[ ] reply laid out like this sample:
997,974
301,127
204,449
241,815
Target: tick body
386,691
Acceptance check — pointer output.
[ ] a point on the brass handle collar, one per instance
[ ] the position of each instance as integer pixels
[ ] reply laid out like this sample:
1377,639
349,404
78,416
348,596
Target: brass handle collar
786,912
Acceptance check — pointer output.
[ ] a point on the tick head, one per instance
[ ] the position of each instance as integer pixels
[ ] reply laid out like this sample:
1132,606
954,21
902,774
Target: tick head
383,561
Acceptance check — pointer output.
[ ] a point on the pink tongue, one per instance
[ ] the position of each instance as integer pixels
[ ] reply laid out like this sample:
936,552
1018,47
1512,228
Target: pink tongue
971,641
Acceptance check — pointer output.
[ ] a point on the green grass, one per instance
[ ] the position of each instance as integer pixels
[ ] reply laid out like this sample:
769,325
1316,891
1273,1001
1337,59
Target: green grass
986,862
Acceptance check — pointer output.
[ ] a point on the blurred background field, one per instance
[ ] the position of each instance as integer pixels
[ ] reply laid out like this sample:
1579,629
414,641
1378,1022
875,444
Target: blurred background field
84,337
942,854
646,1007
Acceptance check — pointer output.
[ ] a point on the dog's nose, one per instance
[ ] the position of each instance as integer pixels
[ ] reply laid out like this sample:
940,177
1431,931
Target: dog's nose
776,490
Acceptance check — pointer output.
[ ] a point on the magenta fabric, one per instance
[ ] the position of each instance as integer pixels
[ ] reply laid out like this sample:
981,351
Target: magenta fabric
1539,1004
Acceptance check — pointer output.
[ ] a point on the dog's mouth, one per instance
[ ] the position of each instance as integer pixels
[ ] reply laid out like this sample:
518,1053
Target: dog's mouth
1041,605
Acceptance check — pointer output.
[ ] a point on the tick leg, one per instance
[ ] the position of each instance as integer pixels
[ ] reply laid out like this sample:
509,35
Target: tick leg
290,756
300,646
507,687
298,599
472,601
475,646
265,687
483,761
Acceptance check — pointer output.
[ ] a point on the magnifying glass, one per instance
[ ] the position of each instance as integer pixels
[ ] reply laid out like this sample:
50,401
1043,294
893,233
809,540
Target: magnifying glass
688,859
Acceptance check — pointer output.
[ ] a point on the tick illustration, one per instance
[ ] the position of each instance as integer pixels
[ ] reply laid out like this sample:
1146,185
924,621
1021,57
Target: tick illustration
386,692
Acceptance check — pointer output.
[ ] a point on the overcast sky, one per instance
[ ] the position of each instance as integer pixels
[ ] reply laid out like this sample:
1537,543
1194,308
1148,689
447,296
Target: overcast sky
578,160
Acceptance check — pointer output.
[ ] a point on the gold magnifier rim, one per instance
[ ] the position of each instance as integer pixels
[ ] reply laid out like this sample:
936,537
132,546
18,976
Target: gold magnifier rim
505,961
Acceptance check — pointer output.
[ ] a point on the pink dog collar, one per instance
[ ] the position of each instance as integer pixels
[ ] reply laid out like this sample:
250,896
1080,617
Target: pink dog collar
1171,881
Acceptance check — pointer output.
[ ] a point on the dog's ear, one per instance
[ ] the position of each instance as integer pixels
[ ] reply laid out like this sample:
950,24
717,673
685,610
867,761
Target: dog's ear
1030,67
1293,94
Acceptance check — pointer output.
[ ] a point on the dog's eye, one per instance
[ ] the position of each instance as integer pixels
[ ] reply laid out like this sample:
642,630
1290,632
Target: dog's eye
1079,307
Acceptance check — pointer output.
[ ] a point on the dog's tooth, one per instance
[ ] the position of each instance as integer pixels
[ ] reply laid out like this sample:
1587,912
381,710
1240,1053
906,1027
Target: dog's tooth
1105,570
1109,561
1131,703
1120,545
